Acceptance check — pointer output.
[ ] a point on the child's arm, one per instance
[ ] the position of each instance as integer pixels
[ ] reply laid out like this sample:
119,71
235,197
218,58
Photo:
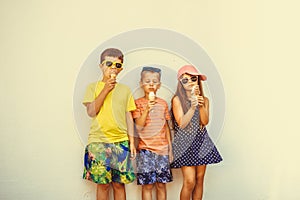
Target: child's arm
168,134
203,110
140,121
183,119
130,132
93,107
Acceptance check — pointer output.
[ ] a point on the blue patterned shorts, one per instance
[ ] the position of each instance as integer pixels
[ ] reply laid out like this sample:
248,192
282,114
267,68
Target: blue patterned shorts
152,168
105,163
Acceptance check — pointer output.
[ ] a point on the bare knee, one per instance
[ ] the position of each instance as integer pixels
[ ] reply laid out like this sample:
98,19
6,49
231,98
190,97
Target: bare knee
189,184
147,187
118,186
200,175
160,186
103,187
102,191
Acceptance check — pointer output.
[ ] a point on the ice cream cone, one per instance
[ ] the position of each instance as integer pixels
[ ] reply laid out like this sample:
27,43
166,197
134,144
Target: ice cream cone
113,76
151,96
195,92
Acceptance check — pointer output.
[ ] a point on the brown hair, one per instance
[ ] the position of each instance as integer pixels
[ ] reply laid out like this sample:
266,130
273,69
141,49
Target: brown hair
185,102
180,92
113,53
151,69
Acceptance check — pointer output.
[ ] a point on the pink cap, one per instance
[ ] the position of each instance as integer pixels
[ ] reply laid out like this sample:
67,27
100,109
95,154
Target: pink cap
190,69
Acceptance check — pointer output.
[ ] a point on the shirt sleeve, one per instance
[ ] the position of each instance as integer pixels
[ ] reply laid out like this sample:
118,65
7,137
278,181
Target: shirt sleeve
131,104
89,94
137,112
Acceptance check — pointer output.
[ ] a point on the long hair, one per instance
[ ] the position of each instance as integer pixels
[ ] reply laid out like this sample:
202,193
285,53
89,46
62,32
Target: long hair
201,88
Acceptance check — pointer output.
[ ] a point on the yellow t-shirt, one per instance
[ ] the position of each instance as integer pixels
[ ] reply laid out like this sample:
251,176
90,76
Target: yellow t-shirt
110,125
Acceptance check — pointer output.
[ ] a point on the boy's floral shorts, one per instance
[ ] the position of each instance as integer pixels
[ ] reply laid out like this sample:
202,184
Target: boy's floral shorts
152,168
108,162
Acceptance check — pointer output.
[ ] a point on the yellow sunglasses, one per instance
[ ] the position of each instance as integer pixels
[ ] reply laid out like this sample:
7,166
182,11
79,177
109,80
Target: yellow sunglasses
110,63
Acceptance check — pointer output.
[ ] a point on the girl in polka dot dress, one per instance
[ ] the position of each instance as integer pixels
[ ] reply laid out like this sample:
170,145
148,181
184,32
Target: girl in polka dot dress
193,149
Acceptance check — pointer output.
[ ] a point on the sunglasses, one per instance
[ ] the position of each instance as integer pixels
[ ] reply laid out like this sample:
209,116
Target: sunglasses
110,63
186,80
151,69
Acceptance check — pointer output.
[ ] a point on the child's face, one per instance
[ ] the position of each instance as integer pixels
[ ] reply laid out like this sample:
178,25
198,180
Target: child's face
188,81
150,81
113,69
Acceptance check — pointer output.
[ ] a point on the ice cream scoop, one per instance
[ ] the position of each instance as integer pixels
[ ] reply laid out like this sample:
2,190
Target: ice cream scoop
113,76
194,91
151,96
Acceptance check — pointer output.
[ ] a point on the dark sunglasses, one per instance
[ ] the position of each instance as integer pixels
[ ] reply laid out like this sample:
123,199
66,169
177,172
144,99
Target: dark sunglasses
186,80
110,63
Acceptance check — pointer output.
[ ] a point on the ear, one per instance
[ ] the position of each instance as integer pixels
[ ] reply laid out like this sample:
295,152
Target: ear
141,83
158,86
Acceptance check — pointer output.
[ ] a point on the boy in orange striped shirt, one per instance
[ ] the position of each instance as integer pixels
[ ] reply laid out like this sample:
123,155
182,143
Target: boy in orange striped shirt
154,146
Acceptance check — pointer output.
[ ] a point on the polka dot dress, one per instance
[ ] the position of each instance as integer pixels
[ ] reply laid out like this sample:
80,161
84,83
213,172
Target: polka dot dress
193,146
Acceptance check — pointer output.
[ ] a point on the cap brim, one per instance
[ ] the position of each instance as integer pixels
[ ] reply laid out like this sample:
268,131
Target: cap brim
202,77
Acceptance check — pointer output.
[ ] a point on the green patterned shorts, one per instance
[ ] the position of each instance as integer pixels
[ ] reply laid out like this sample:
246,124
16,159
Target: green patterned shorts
108,162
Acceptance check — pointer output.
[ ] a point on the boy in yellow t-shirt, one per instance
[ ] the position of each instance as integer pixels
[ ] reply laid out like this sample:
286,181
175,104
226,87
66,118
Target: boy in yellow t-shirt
110,142
154,146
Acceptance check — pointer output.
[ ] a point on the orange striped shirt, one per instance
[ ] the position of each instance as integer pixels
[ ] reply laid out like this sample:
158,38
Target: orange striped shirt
153,135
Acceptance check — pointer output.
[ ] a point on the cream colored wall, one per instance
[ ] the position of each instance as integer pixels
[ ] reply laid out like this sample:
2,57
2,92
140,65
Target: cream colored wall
254,45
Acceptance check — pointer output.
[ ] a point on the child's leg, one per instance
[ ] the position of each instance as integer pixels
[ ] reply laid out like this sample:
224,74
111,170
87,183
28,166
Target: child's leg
146,172
147,192
161,192
189,181
119,191
122,169
95,155
163,176
102,191
198,191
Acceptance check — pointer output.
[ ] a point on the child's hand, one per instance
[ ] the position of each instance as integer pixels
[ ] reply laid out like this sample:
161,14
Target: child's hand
200,101
132,152
194,101
150,105
110,84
